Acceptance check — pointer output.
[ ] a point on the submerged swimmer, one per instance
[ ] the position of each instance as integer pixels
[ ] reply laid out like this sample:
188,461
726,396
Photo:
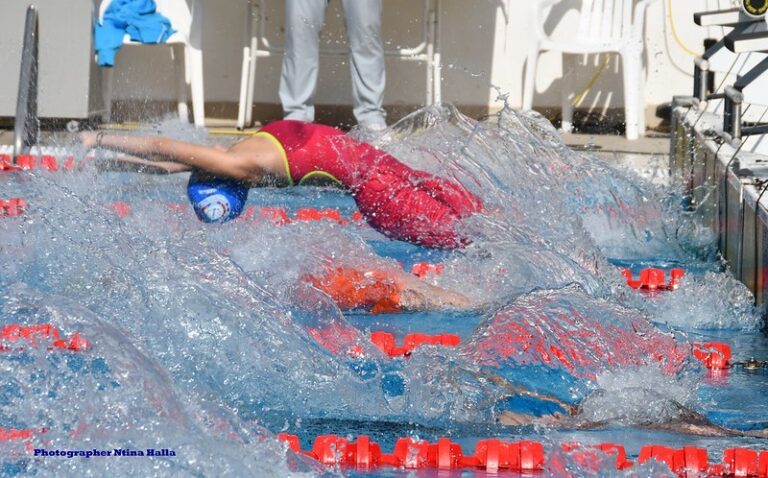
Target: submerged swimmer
382,291
547,352
400,202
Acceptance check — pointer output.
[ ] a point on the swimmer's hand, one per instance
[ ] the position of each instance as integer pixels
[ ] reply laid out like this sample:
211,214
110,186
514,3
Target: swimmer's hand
88,139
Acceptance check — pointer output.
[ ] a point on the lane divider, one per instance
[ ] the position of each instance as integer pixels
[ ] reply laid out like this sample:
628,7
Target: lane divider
47,162
33,334
589,456
490,455
24,434
714,356
653,279
16,206
493,455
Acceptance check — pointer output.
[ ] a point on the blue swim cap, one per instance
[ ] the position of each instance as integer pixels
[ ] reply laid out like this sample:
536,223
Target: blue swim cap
215,199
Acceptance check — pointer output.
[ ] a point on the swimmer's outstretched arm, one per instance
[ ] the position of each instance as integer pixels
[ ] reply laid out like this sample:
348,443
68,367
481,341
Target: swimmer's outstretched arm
234,163
126,163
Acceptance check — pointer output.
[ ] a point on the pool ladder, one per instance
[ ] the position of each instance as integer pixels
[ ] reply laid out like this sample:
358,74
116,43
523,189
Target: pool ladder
26,128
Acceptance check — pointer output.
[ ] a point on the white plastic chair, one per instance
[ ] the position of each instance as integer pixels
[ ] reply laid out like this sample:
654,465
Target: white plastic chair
186,52
604,26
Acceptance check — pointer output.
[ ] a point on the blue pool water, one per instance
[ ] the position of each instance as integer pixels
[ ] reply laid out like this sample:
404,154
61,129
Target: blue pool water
200,339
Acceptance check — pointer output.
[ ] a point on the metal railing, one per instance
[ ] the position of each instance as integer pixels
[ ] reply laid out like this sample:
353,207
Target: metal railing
26,128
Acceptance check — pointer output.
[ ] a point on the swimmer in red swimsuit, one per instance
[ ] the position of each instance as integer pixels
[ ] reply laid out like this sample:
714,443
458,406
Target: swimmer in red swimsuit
398,201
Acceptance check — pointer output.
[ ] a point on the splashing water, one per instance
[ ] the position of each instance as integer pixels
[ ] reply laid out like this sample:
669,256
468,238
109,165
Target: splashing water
203,334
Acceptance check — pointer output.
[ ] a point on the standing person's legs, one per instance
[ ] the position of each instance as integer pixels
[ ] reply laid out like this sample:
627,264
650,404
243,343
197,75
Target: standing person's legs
304,21
363,18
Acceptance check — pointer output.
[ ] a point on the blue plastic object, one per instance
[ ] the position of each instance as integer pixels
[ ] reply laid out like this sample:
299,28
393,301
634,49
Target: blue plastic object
137,18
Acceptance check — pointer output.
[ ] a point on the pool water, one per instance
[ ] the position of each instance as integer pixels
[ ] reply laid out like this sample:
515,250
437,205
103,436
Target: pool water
199,334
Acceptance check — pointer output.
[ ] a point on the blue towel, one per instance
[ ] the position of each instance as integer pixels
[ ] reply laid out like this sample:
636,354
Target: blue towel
138,18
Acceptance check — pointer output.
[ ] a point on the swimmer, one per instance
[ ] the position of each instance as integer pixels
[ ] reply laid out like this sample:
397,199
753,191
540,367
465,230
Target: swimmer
685,421
542,355
400,202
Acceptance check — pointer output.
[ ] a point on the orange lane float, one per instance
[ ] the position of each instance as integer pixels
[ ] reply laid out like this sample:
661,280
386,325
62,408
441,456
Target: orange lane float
745,462
495,455
24,436
12,434
308,214
272,214
653,279
386,342
588,457
45,333
423,270
409,453
122,209
686,461
713,355
27,162
12,207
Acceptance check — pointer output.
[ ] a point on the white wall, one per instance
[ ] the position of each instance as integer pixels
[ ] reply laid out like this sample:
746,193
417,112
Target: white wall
484,44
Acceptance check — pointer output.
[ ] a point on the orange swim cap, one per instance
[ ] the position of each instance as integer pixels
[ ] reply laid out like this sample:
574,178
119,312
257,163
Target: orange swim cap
352,288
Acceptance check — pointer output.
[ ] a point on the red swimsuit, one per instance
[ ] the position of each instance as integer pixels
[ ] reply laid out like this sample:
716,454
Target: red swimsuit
400,202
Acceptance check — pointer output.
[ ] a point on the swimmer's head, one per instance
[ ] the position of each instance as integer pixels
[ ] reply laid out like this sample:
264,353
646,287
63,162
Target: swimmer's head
216,200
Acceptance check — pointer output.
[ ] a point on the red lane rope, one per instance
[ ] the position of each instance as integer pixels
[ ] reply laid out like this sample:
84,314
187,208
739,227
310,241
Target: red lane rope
24,435
276,215
33,334
490,455
26,162
424,269
16,206
12,434
493,455
714,355
12,207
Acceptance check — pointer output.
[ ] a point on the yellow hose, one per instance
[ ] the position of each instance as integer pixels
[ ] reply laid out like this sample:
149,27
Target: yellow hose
595,77
673,31
215,131
230,132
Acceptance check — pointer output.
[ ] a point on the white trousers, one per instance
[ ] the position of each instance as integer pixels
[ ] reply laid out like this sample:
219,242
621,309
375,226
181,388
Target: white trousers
304,20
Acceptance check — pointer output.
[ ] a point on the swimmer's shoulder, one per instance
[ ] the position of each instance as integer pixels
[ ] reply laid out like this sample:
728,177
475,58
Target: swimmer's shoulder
266,152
